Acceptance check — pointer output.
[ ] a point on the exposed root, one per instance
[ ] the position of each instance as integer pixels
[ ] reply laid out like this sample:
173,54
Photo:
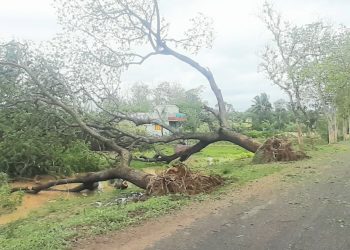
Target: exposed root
277,149
179,179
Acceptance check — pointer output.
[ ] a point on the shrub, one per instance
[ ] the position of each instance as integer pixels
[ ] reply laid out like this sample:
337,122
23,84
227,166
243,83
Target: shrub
259,134
79,158
47,155
8,200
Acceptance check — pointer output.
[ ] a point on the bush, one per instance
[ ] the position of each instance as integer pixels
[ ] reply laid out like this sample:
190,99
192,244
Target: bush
79,158
38,156
259,134
8,201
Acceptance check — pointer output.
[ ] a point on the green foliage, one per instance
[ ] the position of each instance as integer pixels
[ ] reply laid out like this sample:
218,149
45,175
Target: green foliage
33,156
223,151
8,200
322,128
261,112
258,134
79,158
191,105
31,143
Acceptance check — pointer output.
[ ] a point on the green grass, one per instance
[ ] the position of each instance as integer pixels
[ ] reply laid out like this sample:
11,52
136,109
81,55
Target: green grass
224,151
220,152
230,161
141,165
56,225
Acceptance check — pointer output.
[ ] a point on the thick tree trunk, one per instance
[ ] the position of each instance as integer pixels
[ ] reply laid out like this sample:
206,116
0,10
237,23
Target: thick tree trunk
277,152
139,178
222,134
240,140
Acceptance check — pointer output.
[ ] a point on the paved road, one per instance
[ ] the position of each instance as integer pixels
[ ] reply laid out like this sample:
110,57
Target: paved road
312,214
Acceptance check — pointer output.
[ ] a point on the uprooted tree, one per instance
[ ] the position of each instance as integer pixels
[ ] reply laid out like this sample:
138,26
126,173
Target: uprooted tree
77,74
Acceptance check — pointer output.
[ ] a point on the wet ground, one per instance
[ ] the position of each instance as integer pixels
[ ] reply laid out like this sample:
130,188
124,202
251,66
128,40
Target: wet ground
34,201
31,202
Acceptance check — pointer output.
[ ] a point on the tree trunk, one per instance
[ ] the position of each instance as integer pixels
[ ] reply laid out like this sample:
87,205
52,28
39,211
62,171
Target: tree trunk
139,178
332,129
348,122
345,129
300,136
240,140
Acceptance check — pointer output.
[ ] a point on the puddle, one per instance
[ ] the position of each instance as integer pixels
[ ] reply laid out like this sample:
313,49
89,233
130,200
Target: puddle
31,202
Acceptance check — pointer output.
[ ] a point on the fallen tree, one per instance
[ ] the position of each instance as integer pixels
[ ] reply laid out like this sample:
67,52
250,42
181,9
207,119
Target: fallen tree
133,22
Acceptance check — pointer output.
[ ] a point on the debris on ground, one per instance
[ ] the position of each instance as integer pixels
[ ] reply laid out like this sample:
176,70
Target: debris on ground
122,200
277,149
180,179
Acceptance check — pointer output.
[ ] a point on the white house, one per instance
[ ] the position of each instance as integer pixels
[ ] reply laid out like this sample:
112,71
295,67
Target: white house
167,114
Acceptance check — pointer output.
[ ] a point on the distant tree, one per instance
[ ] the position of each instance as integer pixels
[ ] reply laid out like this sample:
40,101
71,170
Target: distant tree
299,62
167,93
283,59
324,70
282,114
261,110
140,98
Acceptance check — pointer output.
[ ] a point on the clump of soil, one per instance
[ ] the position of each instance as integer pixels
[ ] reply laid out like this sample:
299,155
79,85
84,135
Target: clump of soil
180,179
277,149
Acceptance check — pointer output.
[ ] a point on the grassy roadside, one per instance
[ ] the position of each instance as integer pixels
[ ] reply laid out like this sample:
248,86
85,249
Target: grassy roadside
58,224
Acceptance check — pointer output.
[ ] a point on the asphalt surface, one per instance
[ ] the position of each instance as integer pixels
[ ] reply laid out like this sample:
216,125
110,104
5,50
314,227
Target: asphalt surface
313,213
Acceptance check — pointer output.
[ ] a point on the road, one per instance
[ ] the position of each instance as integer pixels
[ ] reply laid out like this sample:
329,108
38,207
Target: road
314,214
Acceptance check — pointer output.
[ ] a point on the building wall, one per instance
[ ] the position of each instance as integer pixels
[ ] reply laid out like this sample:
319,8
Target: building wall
162,113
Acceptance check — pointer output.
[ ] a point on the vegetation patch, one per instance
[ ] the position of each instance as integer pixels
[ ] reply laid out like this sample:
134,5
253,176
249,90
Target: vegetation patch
8,200
58,225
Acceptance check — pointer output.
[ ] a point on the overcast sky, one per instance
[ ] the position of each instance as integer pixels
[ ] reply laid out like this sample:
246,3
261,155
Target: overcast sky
234,58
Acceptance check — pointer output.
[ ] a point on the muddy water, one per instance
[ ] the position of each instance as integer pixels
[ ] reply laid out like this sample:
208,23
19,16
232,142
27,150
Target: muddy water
31,202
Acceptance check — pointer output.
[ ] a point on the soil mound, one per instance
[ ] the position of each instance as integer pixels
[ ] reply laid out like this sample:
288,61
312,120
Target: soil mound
180,179
277,149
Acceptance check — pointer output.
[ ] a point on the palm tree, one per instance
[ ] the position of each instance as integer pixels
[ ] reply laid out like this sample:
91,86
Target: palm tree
261,104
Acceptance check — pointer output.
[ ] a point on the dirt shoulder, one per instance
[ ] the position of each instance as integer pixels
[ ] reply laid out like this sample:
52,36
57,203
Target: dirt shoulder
139,237
199,218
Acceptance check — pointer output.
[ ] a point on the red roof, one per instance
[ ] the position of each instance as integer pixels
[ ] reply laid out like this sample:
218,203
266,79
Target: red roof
176,119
